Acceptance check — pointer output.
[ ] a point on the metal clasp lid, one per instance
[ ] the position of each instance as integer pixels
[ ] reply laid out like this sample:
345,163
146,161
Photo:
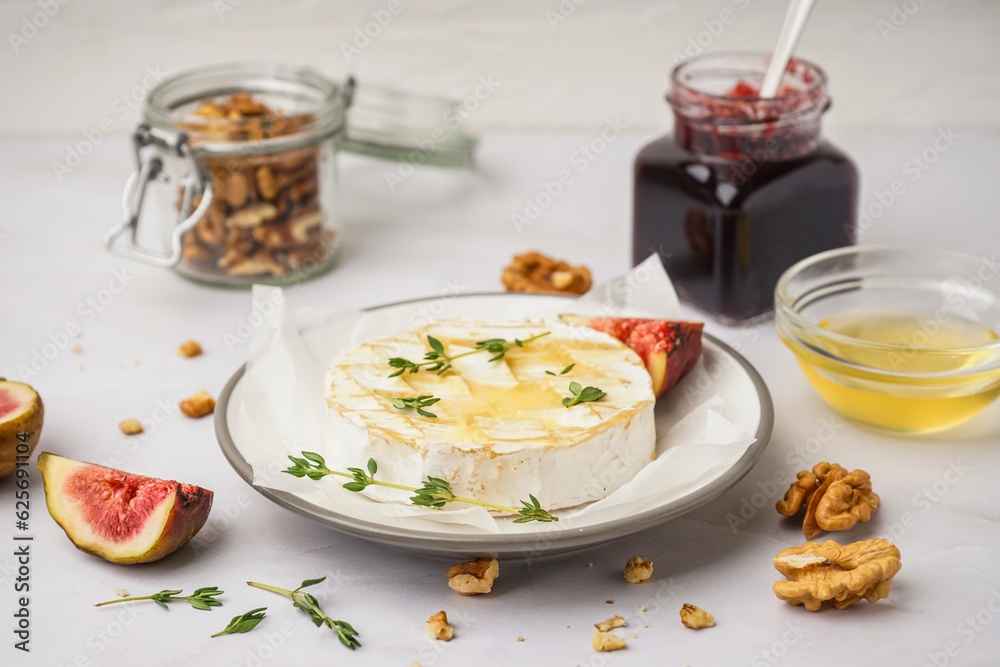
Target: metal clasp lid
148,169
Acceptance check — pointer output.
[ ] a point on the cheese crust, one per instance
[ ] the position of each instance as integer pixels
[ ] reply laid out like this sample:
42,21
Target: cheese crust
501,431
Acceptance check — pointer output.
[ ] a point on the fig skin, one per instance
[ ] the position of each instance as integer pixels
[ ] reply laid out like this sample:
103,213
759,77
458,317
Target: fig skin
29,422
189,509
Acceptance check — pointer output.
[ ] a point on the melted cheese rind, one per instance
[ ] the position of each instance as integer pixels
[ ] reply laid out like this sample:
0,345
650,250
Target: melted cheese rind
501,430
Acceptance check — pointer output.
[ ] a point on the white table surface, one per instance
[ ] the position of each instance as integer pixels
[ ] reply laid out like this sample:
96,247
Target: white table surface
448,232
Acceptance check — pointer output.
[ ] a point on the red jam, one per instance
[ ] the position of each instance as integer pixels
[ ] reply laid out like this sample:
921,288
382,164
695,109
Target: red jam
746,186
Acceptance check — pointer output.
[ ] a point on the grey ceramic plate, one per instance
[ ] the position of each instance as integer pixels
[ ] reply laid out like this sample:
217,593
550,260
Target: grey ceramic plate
511,545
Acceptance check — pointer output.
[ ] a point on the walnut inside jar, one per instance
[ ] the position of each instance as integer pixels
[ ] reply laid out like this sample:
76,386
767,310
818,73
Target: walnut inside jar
265,219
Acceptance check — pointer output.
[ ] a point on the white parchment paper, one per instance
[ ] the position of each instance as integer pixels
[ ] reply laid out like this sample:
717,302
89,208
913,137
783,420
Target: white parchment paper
279,409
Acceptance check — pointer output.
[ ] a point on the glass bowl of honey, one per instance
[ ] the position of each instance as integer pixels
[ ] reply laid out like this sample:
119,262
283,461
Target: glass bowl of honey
901,339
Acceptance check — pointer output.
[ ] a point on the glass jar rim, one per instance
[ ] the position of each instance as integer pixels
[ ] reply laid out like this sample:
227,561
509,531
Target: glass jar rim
368,119
320,97
687,100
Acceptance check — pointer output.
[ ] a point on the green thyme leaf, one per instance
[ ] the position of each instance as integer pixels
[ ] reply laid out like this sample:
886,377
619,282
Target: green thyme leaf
243,623
582,395
435,344
417,403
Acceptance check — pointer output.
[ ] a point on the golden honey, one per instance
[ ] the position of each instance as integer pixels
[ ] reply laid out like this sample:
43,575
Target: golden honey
919,376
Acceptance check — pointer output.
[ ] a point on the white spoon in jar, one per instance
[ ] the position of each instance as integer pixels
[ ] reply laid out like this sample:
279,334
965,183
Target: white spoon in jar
791,30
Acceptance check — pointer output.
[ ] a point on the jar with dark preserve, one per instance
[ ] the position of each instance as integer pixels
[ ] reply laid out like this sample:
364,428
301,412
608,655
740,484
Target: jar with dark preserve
745,187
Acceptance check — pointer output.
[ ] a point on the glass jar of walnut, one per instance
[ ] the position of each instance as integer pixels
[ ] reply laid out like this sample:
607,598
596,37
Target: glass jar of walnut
236,166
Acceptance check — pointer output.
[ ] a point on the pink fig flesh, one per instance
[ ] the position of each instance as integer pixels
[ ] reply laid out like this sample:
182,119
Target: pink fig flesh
118,516
21,417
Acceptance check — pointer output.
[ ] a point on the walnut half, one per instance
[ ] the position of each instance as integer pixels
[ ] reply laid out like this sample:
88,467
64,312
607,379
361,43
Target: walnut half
834,498
844,574
474,577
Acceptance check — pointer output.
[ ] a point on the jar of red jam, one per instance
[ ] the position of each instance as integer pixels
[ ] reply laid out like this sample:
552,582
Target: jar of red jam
745,187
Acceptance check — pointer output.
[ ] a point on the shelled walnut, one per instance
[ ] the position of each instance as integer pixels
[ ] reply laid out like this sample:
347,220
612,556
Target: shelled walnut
265,218
130,426
198,406
696,617
438,627
605,641
834,498
189,348
535,272
473,577
844,574
638,569
610,624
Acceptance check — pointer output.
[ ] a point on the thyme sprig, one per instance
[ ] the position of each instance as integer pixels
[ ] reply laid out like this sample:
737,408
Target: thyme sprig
203,598
582,395
435,492
417,403
309,604
562,372
438,361
243,623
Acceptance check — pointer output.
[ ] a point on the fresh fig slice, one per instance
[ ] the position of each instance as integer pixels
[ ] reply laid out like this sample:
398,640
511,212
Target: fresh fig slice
118,516
669,349
21,412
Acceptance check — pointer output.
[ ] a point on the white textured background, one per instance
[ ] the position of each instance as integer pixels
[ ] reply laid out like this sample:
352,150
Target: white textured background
442,233
936,66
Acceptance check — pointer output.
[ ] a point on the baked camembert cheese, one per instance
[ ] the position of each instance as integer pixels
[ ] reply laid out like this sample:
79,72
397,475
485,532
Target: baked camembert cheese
501,431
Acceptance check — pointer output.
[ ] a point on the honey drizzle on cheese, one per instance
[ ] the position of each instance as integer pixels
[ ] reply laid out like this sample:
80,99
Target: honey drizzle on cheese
491,405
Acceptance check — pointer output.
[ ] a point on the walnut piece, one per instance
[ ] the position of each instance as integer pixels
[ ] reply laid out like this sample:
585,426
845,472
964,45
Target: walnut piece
605,641
192,250
797,494
199,405
844,574
302,227
236,190
253,215
613,622
438,628
474,577
211,229
535,272
834,498
189,349
130,426
257,263
638,569
695,617
267,184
